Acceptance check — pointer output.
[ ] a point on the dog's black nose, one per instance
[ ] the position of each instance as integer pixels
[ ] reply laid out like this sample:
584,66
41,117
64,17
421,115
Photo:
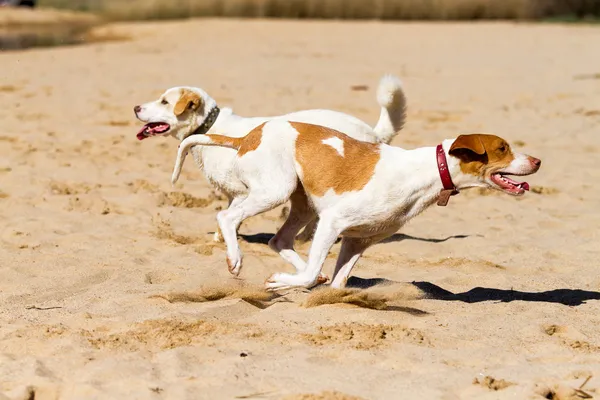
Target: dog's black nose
137,109
536,161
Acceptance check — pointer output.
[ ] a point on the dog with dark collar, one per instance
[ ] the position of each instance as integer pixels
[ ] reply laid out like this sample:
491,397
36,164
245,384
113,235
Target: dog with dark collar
181,112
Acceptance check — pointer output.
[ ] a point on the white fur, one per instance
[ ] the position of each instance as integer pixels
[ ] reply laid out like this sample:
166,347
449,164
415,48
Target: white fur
336,143
392,100
403,184
217,163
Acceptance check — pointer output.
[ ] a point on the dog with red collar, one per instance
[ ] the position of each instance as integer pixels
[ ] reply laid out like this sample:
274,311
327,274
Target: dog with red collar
364,192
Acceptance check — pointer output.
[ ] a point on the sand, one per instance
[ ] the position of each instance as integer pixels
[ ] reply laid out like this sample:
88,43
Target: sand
111,287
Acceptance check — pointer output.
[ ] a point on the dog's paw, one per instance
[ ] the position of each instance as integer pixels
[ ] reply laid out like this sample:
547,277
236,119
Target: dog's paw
234,265
274,282
282,281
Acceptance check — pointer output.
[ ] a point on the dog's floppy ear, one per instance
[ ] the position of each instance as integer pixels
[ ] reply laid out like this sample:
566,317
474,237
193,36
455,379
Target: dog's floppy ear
187,101
467,142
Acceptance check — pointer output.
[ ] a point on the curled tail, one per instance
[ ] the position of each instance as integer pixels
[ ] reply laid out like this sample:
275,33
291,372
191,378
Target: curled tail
201,140
392,101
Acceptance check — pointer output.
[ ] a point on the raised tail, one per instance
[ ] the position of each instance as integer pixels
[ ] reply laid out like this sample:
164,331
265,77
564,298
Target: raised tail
201,140
392,101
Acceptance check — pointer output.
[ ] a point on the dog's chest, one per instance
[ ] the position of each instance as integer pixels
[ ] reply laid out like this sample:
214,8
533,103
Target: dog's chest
218,166
374,229
197,154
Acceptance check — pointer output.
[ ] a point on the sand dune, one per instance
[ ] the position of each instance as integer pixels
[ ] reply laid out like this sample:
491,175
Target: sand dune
112,288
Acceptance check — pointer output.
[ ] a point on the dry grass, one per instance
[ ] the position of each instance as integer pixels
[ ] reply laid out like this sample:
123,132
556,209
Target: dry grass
18,18
344,9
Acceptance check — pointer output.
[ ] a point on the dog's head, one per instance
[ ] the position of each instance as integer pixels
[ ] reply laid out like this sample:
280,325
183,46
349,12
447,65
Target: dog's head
488,161
177,112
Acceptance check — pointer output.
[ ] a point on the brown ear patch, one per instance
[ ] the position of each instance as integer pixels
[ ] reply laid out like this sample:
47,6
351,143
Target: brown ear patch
324,168
468,142
480,153
251,140
187,100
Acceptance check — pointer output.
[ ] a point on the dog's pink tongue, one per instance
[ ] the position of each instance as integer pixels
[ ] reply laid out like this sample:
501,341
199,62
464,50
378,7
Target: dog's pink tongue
522,185
141,135
151,129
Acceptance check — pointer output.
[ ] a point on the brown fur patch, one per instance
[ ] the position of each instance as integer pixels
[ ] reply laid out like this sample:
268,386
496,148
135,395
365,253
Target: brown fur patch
323,168
469,142
481,154
188,100
251,140
227,141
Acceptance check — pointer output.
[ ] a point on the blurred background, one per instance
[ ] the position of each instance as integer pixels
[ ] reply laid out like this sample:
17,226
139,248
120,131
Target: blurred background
353,9
72,24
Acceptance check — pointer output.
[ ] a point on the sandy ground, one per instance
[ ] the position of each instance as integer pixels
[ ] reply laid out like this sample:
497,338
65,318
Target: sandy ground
111,287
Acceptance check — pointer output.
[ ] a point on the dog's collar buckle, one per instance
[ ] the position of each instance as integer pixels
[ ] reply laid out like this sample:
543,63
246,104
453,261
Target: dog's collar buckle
209,121
449,188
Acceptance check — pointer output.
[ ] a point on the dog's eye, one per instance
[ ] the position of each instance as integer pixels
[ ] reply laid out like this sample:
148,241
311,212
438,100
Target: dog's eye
502,148
163,101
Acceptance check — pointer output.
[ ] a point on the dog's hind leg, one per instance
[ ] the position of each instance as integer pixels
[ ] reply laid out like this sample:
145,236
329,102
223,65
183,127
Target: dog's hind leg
308,232
350,252
325,236
283,241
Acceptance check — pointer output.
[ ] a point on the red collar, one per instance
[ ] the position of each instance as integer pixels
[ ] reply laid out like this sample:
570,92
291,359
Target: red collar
449,188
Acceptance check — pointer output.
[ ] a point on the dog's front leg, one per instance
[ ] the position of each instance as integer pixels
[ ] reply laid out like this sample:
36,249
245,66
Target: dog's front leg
228,221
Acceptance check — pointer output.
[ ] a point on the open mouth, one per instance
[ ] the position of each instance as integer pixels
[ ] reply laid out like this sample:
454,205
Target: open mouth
153,129
503,182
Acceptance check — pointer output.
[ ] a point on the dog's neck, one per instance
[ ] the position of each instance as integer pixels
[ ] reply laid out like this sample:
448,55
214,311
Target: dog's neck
209,121
423,163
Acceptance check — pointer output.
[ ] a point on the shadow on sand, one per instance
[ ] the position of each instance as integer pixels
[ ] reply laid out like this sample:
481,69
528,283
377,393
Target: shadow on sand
568,297
263,238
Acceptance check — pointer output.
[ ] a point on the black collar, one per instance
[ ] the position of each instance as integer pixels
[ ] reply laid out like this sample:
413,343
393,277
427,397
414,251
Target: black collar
209,121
